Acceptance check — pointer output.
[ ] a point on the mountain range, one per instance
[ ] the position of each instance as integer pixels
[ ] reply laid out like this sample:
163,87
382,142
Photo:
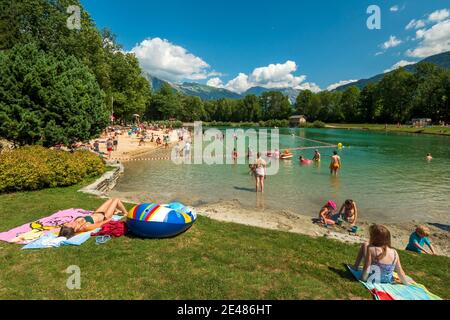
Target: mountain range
442,60
206,92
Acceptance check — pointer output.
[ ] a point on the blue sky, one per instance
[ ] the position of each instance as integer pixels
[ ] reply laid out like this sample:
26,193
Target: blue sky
273,43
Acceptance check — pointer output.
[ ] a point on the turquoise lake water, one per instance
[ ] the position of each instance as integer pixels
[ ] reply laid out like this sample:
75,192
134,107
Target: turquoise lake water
385,173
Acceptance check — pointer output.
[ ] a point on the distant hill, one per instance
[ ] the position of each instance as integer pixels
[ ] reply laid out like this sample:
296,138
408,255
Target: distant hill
155,83
288,92
442,60
205,92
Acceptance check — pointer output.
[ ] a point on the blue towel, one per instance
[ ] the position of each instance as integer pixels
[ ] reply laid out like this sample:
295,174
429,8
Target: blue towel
51,240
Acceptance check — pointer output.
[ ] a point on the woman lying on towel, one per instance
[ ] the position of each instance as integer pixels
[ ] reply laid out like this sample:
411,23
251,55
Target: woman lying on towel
380,260
98,218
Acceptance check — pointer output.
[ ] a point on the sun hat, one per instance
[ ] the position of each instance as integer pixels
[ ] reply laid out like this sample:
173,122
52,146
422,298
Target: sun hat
332,204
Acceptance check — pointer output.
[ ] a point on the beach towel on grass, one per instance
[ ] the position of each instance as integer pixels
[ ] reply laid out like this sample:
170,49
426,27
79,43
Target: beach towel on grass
388,291
51,240
30,232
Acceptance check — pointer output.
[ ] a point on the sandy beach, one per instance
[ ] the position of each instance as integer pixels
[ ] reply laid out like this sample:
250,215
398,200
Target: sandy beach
129,148
232,211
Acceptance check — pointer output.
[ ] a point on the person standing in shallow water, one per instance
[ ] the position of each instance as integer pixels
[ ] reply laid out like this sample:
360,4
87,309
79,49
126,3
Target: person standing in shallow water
260,173
335,164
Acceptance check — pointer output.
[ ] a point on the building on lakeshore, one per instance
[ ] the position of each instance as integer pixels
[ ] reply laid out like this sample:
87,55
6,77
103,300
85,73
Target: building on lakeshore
296,121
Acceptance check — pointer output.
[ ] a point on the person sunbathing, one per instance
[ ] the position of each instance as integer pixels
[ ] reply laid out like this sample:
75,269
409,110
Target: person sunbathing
98,218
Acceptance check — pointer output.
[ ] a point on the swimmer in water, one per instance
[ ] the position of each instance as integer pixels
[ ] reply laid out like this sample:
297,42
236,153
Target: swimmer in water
304,161
335,164
429,157
349,211
317,156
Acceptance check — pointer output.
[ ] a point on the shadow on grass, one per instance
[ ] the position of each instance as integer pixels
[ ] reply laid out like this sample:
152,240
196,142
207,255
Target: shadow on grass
343,273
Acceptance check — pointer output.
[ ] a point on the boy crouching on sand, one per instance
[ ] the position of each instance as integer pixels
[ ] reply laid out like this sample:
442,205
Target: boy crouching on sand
419,239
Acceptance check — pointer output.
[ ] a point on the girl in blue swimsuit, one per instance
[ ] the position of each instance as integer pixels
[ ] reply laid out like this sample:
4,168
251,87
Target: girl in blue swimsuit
380,260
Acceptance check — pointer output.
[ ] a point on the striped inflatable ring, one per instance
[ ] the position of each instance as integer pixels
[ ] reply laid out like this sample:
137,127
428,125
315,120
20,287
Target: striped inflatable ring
151,220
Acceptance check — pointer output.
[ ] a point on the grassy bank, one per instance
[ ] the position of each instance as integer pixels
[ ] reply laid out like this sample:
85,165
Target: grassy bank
436,130
213,260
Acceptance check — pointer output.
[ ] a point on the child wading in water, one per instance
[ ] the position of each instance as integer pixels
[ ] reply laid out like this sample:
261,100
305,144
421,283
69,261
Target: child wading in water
380,260
419,239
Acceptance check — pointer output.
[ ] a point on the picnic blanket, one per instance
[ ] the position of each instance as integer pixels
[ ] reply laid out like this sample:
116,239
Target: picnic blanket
30,232
394,291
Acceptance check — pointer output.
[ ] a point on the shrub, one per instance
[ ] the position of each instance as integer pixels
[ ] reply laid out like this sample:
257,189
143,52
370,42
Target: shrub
35,167
318,124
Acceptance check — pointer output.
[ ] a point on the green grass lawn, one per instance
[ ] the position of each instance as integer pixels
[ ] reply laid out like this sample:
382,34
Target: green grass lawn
436,130
213,260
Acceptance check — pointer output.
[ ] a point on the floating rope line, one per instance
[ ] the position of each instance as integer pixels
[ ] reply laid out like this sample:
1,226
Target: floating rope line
141,159
316,147
323,146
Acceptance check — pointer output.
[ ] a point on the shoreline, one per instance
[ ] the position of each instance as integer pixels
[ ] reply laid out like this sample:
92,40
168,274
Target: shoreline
231,211
372,128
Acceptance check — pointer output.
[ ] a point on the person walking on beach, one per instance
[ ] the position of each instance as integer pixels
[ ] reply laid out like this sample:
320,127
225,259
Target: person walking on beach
187,149
260,172
234,155
109,147
166,142
115,143
335,164
96,146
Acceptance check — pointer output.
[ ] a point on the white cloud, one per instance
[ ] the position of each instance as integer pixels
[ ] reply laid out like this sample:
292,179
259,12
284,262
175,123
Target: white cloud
432,41
215,82
439,15
415,24
170,62
273,76
277,76
311,86
239,84
394,8
392,42
399,64
339,84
